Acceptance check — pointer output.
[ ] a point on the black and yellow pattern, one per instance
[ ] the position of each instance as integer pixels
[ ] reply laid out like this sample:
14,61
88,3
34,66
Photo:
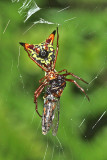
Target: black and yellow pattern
43,54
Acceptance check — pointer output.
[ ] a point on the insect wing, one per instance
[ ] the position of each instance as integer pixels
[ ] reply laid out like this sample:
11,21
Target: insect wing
47,116
50,116
55,121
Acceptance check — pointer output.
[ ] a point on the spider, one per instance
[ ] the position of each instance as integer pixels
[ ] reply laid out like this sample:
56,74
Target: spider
45,57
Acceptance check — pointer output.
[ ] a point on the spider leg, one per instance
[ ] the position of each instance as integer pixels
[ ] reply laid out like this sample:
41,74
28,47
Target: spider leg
36,95
66,74
64,70
57,49
70,80
42,79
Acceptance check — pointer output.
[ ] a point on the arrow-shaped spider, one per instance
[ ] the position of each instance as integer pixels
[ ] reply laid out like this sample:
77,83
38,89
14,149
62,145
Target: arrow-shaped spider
45,57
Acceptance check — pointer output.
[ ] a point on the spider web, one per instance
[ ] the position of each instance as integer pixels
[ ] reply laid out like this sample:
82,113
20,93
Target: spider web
81,127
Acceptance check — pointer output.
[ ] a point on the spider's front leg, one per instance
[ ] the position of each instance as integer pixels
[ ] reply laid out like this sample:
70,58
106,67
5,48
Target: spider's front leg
57,49
71,80
36,95
64,70
70,73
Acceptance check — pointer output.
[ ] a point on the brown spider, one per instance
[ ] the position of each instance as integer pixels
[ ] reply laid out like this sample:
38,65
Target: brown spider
43,55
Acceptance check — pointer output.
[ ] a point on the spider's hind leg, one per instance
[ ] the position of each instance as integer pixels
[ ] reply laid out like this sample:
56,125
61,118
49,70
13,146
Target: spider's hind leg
71,80
36,95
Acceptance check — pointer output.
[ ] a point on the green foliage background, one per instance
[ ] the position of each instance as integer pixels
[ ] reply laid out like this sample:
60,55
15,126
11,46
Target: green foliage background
83,49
